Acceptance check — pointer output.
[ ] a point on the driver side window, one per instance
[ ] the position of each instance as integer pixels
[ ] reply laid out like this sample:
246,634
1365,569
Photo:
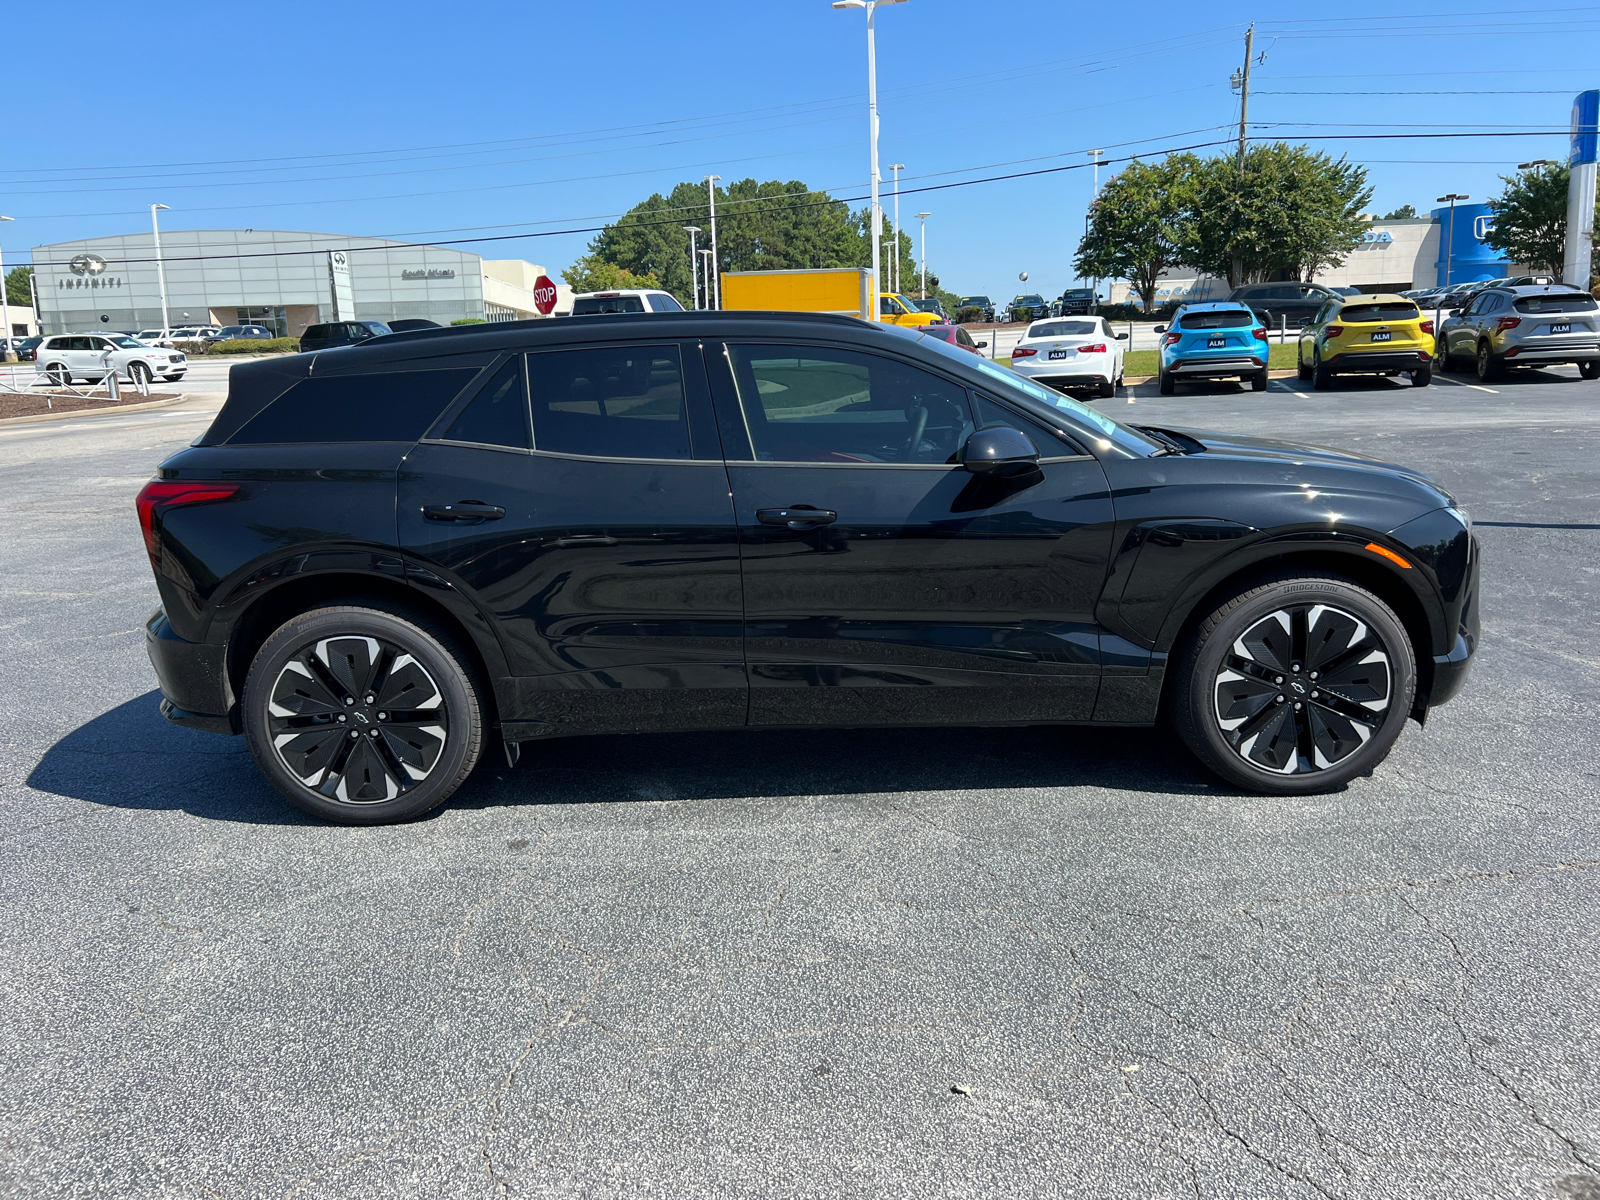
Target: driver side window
819,404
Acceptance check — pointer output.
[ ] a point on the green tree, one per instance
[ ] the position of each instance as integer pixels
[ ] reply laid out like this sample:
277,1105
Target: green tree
1404,213
1290,211
1530,219
17,286
594,274
1136,225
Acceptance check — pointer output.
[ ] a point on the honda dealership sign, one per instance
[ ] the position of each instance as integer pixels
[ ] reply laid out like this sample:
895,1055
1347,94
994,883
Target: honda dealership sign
1576,269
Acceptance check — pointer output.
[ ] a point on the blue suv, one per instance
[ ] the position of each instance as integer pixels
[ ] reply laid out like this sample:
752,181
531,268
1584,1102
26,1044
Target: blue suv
1219,340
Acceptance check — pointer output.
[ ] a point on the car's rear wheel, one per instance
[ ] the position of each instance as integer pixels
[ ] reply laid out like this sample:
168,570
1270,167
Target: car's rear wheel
363,716
1165,384
1258,382
1589,370
1295,685
1422,377
1321,376
1106,388
1490,365
1301,371
58,374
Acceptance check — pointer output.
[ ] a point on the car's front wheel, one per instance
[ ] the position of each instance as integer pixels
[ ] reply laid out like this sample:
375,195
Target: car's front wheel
1295,685
139,373
363,716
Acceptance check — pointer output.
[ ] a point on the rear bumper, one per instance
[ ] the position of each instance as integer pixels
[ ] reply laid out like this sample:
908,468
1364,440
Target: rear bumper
1380,360
1232,365
193,678
1552,355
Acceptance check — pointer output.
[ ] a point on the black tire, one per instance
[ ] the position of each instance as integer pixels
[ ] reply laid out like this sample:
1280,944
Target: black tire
173,378
1490,365
1106,388
314,673
1422,377
1589,370
1223,704
59,375
1258,382
1321,376
1165,384
1443,361
1301,371
138,373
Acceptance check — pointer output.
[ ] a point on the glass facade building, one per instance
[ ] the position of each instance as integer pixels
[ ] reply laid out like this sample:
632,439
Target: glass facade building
282,279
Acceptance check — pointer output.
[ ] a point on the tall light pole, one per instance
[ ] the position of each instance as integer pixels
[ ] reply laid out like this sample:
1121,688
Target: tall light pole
922,219
714,280
876,215
161,272
1451,236
1538,164
705,274
1094,155
895,274
5,301
694,263
1241,82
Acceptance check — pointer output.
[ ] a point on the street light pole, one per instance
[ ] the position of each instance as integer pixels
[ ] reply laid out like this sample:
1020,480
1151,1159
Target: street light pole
714,280
161,272
705,274
922,218
876,215
694,264
895,274
5,301
1450,238
1094,199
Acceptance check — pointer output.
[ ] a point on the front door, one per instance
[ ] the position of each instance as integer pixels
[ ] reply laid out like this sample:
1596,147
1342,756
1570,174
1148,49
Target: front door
599,536
883,583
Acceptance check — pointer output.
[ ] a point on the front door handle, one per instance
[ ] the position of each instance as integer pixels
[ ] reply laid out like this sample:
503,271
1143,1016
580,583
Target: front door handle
797,516
463,510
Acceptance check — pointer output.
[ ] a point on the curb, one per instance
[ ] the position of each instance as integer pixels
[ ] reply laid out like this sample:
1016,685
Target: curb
109,408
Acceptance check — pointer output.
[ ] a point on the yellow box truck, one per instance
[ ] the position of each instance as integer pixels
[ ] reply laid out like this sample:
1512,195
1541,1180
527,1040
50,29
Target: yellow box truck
843,290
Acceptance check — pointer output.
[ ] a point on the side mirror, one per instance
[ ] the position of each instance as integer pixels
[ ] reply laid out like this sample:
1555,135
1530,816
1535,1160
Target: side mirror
1122,337
1159,329
998,451
1455,312
981,345
1304,321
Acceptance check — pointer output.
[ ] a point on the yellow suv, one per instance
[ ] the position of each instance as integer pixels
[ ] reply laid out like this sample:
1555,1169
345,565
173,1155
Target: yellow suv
1366,335
894,309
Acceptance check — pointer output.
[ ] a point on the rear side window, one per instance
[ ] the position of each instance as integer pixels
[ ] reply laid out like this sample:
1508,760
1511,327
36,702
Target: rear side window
318,331
664,303
589,305
1571,303
497,415
1230,318
394,407
1393,310
609,402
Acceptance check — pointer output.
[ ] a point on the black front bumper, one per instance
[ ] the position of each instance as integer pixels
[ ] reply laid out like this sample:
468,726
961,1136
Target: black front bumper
1398,360
193,678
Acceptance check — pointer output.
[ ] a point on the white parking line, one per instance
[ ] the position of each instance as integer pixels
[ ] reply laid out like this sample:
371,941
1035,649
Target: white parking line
1476,388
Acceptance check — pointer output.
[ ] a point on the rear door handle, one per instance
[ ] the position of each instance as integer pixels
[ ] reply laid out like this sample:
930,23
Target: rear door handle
463,510
797,516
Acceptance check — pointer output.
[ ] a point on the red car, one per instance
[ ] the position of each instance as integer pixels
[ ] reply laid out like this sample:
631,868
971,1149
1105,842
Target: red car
955,335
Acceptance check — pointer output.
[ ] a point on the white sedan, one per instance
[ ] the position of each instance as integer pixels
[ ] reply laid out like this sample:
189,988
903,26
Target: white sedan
1067,353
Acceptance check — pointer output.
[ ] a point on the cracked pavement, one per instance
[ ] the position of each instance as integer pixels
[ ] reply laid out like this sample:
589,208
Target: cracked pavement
1038,962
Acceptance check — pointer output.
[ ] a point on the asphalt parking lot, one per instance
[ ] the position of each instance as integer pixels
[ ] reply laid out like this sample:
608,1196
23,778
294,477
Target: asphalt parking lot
1038,962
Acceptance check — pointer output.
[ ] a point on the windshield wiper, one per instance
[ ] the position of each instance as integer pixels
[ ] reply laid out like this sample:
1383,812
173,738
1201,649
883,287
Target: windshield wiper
1171,445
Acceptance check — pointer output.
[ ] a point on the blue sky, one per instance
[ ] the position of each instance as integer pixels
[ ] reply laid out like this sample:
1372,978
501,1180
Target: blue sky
488,119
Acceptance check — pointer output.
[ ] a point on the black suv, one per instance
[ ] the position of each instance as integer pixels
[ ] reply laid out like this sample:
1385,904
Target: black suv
1077,302
983,304
382,561
1294,302
1031,307
341,333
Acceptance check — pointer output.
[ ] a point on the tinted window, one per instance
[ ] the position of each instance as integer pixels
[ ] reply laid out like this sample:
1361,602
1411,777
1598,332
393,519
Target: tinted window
1231,318
664,303
1048,441
497,415
1574,302
621,402
809,404
394,407
963,337
1065,329
319,331
1392,310
590,305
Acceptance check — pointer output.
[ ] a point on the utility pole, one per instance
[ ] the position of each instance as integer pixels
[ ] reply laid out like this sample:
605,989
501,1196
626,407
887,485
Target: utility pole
876,215
1450,234
896,168
161,271
1093,200
694,263
1243,84
922,218
714,280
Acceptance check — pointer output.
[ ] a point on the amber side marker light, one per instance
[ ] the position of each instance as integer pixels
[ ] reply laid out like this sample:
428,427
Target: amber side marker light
1389,554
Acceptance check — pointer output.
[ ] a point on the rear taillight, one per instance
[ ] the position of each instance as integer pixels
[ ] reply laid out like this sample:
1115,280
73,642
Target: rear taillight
1334,330
1426,327
1505,323
1097,348
1023,352
1172,339
167,494
1261,334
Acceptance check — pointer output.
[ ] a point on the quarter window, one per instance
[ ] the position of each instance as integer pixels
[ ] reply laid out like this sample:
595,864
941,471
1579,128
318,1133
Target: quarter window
815,404
609,402
396,406
497,415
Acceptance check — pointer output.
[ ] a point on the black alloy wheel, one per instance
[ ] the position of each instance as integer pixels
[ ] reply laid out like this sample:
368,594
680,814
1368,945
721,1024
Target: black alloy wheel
139,373
362,716
1296,685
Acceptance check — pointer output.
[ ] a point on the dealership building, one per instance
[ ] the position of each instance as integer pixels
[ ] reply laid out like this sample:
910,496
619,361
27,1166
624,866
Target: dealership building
281,279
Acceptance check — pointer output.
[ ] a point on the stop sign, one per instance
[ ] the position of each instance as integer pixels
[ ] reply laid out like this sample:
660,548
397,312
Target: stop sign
544,295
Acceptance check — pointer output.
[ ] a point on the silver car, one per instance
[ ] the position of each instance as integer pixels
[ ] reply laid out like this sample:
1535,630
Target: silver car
1522,326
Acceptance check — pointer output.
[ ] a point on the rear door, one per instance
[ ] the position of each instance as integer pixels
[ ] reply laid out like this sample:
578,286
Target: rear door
883,583
597,537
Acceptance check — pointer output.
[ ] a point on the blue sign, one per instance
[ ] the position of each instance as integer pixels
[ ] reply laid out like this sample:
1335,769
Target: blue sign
1585,128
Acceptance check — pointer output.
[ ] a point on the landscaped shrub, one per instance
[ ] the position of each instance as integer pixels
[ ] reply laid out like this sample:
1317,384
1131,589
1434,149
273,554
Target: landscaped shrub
469,321
256,346
969,314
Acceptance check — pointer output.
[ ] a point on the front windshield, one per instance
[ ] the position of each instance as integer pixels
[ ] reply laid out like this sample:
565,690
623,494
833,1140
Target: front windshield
126,343
1031,395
